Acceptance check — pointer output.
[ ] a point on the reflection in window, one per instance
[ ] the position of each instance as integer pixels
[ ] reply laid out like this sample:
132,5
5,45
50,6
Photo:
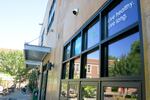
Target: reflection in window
93,35
51,14
124,57
77,46
67,51
63,94
76,73
120,93
89,68
73,92
66,71
92,63
89,92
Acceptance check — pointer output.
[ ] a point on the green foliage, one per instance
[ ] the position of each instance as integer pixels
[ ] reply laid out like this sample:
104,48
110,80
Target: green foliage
89,91
12,62
33,77
127,65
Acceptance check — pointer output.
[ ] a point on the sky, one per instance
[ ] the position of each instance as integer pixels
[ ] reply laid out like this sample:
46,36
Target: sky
19,22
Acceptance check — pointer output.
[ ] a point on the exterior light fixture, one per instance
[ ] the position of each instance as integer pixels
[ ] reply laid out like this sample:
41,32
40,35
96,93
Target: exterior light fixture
50,65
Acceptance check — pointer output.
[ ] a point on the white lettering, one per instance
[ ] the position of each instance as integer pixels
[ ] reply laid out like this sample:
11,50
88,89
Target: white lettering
120,16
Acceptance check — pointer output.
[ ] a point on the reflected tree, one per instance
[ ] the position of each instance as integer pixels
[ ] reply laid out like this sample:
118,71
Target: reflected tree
127,65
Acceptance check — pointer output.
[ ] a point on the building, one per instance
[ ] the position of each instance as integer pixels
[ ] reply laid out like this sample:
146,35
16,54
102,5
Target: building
113,32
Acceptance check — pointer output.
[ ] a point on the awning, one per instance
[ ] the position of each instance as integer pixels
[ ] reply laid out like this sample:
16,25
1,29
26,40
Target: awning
35,54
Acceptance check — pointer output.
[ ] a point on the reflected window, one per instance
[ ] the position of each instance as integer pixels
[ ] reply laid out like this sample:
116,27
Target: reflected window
93,34
91,65
65,74
73,92
120,93
89,68
76,69
63,94
89,92
77,46
124,57
67,52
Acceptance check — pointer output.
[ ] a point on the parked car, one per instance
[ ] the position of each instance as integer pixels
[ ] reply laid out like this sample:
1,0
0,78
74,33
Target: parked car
1,89
5,91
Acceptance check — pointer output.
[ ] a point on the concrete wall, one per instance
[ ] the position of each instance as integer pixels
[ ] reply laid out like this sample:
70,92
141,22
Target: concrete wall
145,10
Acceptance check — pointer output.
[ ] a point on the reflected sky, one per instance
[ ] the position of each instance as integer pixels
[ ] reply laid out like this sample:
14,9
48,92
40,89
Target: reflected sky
78,46
122,47
94,55
93,35
67,51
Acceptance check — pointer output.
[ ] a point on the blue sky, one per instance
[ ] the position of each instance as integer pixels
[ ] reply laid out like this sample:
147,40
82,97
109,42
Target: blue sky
19,21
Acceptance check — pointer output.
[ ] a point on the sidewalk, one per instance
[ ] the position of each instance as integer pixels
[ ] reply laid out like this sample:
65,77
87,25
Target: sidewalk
17,95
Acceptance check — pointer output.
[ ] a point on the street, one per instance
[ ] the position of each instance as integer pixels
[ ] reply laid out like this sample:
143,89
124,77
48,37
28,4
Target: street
17,95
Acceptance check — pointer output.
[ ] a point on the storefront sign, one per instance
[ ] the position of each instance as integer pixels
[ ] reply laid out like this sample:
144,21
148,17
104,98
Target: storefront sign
122,16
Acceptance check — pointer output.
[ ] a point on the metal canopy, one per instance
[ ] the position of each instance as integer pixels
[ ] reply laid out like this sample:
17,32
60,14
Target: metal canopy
35,54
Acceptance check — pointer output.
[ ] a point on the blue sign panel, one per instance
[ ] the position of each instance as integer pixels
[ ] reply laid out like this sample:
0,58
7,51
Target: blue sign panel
122,16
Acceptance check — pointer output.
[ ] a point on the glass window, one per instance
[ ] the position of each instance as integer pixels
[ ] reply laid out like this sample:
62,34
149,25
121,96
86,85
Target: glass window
51,14
89,92
124,57
93,35
67,51
120,93
77,46
73,91
76,72
120,17
65,74
91,65
63,94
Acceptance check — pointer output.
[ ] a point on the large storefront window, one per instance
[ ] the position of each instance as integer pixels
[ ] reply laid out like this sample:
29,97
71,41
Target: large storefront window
73,91
76,68
77,46
120,91
89,92
120,18
66,68
106,51
124,56
92,65
67,52
63,93
93,35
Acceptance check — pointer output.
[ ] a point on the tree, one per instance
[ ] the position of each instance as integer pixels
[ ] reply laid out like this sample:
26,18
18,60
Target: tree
33,78
12,62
